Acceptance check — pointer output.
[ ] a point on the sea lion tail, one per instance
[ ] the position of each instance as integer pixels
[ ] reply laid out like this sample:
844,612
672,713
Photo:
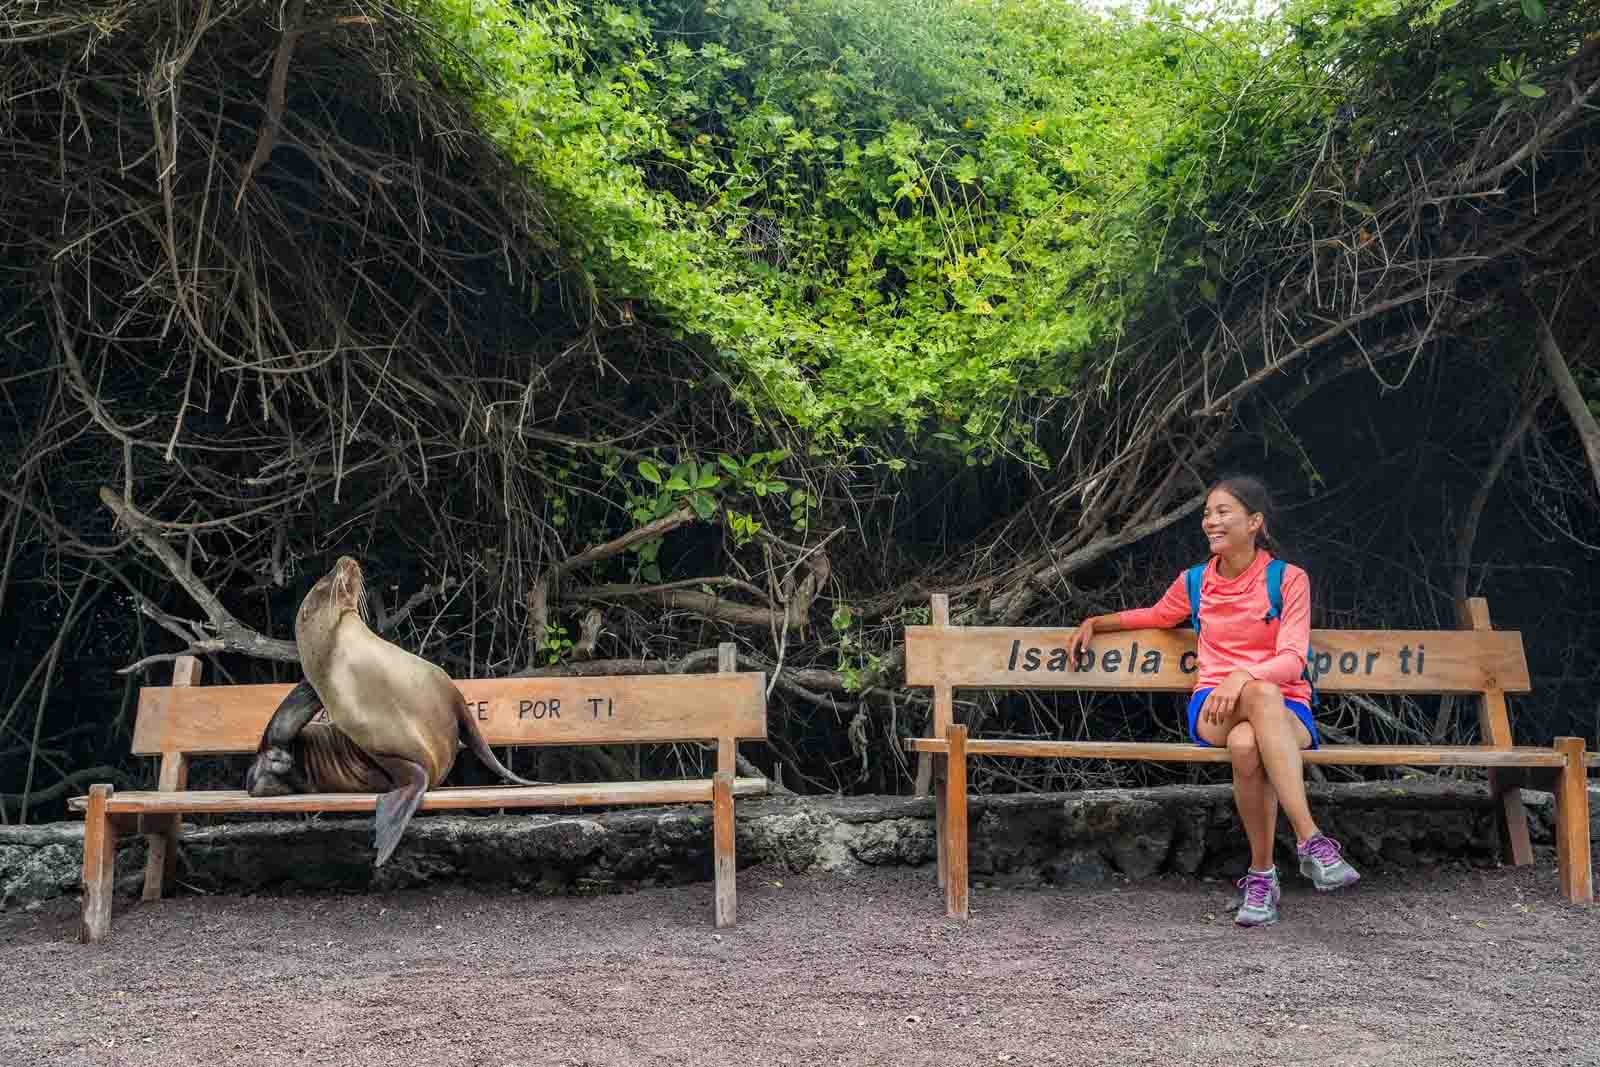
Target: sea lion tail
480,747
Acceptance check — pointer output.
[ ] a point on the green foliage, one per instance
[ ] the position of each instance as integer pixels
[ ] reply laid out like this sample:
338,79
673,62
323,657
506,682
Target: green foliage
1438,57
904,215
924,217
853,655
558,643
746,490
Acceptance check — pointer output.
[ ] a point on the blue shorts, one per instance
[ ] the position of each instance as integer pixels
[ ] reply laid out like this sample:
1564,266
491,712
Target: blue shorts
1301,712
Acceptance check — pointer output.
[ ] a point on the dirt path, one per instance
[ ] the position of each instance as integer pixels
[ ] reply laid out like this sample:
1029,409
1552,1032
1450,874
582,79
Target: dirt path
1449,967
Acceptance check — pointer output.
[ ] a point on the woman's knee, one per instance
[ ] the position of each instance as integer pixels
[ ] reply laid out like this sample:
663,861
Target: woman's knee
1262,707
1259,694
1242,750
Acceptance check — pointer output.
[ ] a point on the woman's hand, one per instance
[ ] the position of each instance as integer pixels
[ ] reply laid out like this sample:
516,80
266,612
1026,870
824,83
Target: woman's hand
1224,698
1080,639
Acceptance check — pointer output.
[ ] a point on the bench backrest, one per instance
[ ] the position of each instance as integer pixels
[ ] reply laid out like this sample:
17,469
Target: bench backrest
1475,660
186,719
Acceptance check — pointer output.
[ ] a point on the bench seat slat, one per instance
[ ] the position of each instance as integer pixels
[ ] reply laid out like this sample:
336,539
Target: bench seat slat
224,801
1367,755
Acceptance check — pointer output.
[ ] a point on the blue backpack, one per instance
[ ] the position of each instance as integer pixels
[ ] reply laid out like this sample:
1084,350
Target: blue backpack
1191,581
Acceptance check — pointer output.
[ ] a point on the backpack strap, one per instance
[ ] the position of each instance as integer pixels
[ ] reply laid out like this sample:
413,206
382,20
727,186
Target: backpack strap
1275,610
1274,590
1191,579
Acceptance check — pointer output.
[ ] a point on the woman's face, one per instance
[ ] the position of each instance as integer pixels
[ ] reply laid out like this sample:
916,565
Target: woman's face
1228,526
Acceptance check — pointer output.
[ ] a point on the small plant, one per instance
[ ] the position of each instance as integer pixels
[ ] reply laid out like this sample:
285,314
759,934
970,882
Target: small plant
842,620
755,473
743,527
1510,78
689,481
557,643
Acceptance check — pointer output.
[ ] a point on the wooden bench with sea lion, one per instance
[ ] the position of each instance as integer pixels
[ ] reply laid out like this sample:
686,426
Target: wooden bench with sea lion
1475,661
186,720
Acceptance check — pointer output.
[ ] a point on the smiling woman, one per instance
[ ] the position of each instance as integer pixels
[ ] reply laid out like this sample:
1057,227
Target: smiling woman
1252,691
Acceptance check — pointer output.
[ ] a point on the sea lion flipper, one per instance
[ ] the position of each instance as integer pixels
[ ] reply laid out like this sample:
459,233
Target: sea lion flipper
274,772
480,747
396,807
296,709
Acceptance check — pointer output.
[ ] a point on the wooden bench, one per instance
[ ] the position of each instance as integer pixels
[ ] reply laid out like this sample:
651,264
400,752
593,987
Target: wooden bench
1475,660
185,720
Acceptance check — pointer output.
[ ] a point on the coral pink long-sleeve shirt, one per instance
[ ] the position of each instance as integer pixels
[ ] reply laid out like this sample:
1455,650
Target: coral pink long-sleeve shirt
1233,634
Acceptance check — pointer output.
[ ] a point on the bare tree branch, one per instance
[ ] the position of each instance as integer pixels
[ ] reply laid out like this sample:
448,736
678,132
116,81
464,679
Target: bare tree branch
1567,391
233,635
549,581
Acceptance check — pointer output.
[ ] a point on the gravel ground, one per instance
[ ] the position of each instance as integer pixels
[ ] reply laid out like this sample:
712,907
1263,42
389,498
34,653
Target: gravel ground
1452,966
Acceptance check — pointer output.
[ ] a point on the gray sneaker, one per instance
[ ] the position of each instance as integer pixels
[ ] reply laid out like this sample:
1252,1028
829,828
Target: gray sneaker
1261,896
1322,861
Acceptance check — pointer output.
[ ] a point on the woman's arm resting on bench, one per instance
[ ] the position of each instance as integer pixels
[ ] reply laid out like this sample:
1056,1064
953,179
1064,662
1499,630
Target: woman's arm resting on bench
1169,611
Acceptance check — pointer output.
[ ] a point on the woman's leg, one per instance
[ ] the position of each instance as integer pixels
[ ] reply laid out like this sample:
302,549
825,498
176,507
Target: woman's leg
1257,802
1279,737
1253,794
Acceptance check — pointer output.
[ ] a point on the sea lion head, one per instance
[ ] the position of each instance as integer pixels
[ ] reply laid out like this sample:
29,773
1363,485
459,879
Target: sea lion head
339,592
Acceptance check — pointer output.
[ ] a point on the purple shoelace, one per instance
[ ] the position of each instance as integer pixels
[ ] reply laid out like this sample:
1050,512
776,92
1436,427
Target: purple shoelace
1324,849
1256,888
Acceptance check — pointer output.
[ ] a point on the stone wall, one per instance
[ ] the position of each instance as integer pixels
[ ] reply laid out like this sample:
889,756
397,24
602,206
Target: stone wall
1064,838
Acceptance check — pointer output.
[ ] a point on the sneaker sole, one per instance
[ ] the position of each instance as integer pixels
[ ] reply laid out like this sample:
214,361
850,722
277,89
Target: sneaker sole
1253,925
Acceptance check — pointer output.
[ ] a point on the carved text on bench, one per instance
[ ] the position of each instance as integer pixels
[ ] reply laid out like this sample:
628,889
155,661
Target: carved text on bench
1123,660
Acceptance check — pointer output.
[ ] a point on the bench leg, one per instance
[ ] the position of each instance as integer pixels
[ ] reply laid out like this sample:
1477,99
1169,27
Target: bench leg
727,904
99,865
161,857
955,815
941,818
1508,799
1575,870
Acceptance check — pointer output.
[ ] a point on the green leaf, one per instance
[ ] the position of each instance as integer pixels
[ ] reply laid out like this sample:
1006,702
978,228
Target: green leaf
704,504
729,464
649,472
677,484
1530,89
707,480
1208,288
1533,10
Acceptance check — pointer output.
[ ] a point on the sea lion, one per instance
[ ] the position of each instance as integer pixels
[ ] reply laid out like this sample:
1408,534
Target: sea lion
402,714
